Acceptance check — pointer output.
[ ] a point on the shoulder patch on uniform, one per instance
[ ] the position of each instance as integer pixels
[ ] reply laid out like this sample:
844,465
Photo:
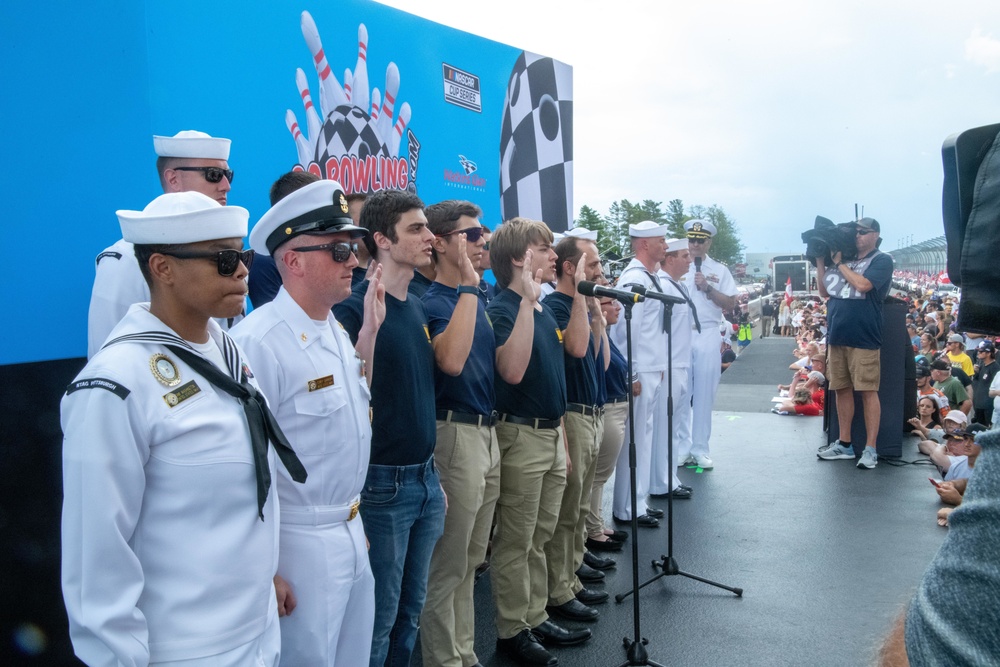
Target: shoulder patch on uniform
108,253
115,388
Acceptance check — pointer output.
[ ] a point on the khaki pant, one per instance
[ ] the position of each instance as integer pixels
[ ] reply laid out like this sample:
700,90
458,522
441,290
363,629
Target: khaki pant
468,461
564,552
612,437
532,479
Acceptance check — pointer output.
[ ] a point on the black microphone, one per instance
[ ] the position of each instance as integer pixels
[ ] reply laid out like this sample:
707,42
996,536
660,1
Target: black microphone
658,296
588,288
697,264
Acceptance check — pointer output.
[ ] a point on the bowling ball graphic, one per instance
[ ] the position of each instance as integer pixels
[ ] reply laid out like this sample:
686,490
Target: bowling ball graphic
349,130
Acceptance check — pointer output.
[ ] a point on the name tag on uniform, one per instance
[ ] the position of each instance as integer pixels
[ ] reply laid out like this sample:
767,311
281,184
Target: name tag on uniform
181,394
320,383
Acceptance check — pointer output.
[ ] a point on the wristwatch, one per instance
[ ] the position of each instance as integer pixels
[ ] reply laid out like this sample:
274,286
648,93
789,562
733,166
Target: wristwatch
466,289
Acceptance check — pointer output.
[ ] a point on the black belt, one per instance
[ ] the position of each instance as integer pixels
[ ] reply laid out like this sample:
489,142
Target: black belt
533,423
585,410
620,399
467,418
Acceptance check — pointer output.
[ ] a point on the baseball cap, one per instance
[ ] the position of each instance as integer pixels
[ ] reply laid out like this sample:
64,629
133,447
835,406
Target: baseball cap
940,365
869,223
956,338
957,416
986,346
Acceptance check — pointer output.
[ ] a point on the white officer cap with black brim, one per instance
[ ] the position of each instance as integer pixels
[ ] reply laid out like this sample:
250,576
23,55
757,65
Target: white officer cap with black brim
699,229
317,208
183,217
647,229
192,144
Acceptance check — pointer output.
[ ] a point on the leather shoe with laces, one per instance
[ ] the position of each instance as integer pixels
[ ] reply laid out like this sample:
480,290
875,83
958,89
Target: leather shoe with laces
589,574
524,648
574,610
597,562
557,635
590,596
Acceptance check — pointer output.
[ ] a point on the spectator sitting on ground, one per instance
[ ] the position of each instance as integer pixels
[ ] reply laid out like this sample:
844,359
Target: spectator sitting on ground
807,399
728,356
954,421
817,362
957,456
928,419
950,386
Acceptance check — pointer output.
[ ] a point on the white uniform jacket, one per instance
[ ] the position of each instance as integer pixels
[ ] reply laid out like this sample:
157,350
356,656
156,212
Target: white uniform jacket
118,284
649,342
719,277
163,554
681,322
320,398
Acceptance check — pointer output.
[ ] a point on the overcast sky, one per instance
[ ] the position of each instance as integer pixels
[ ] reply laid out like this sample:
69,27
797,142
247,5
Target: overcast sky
776,110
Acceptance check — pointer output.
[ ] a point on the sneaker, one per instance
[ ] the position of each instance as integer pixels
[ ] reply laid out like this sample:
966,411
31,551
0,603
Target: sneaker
835,451
689,461
703,462
869,459
827,446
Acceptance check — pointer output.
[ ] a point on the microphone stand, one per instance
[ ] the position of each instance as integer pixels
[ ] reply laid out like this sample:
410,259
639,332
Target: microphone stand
635,648
667,564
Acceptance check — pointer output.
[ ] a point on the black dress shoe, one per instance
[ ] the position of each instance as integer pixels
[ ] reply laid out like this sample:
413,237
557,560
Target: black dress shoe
684,486
574,610
654,512
644,521
524,648
591,597
557,635
597,562
681,493
606,545
589,574
659,495
617,535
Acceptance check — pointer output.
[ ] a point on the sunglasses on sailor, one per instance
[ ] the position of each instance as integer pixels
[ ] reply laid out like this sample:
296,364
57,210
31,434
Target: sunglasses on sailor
211,174
340,251
226,261
472,234
696,241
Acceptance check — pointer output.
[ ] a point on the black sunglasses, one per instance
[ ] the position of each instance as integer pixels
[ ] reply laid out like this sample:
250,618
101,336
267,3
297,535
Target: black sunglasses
472,234
864,232
226,261
696,241
341,251
212,174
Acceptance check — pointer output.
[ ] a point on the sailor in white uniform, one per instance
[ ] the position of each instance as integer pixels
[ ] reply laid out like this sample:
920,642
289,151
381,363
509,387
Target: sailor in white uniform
649,367
713,291
315,381
188,161
169,526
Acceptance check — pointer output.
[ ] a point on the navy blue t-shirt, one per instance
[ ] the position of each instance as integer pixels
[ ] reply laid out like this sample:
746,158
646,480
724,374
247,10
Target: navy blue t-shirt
855,319
472,390
403,415
581,373
351,311
264,280
616,378
486,292
418,285
541,393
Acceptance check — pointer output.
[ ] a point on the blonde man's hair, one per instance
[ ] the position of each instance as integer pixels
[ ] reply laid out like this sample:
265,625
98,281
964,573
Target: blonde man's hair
509,243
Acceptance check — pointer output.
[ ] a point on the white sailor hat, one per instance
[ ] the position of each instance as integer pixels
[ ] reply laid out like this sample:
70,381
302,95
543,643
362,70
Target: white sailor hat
673,245
699,229
183,217
582,233
192,144
317,208
557,237
647,229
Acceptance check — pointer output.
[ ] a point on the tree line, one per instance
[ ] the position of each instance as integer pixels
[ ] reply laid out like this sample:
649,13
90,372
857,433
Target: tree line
613,238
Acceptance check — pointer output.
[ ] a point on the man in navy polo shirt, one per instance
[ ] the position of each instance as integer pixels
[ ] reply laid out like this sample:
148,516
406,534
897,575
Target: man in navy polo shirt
531,401
585,346
466,453
402,503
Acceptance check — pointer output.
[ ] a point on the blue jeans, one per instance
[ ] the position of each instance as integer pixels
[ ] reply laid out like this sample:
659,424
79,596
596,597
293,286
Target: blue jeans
403,511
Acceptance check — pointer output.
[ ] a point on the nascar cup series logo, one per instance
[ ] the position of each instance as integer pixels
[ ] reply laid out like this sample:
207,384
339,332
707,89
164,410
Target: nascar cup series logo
356,136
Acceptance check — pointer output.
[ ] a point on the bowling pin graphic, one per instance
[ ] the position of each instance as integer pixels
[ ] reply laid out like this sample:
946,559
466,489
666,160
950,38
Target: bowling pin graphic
312,118
359,87
301,145
331,95
384,124
376,101
397,131
349,86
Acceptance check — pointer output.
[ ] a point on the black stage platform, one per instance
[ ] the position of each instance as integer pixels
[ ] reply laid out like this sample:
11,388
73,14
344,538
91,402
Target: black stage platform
826,553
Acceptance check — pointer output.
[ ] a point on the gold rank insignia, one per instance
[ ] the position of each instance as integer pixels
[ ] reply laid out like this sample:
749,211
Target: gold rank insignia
164,370
320,383
181,394
343,202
